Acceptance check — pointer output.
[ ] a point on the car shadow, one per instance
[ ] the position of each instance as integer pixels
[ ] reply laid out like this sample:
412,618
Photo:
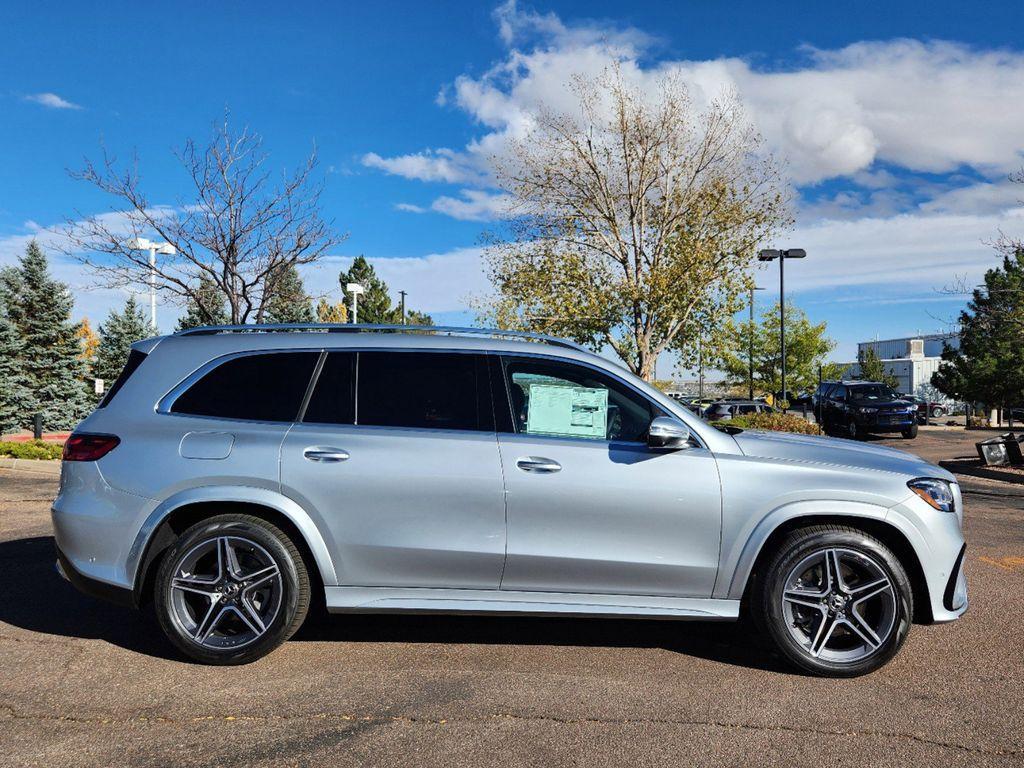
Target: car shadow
34,597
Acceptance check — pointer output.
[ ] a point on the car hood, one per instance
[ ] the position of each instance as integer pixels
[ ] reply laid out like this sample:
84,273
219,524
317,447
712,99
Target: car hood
836,452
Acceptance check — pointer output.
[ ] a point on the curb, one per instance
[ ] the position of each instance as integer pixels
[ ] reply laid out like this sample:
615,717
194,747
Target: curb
48,467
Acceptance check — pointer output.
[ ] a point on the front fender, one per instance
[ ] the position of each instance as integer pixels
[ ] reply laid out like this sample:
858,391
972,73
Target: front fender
739,561
234,494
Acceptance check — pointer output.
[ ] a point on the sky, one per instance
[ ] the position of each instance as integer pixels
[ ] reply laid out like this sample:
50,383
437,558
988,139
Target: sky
899,125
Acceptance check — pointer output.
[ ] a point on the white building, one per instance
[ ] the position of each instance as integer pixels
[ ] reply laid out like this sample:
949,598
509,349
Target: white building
912,360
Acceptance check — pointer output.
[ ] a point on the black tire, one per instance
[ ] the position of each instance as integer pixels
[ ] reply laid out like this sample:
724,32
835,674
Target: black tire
938,412
797,546
293,584
910,432
853,430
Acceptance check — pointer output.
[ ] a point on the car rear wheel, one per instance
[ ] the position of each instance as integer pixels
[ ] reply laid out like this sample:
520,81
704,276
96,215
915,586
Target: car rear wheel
835,601
231,589
938,412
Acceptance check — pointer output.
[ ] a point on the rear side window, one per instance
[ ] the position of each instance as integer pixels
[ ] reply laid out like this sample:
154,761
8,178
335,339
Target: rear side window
334,397
135,359
423,390
262,387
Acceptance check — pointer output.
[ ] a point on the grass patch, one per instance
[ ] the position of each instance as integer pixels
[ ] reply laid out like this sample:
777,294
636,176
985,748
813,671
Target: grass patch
32,449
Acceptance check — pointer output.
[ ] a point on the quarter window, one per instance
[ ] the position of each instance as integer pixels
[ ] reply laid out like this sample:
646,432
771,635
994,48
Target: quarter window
263,387
566,400
423,390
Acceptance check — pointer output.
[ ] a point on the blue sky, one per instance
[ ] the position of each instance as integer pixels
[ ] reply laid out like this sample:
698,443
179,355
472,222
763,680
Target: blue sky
899,122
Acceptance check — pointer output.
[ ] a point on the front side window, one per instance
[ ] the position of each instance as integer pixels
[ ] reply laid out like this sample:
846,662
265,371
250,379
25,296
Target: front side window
565,400
423,390
261,387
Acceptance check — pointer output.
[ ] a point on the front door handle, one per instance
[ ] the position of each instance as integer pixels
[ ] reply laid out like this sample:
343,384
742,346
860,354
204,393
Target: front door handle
329,455
538,464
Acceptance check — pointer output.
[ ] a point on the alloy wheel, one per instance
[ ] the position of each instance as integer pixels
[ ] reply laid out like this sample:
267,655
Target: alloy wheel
225,592
839,605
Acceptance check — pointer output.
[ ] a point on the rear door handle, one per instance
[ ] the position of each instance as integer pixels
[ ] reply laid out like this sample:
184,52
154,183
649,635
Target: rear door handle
538,464
325,454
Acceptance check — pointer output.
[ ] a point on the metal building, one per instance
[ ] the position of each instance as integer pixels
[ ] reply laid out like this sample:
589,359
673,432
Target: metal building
911,360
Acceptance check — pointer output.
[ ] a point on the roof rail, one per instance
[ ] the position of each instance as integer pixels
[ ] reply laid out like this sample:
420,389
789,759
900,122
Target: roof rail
450,330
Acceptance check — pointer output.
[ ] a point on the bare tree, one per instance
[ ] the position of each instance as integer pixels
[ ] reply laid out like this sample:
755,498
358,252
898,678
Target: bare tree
635,221
240,231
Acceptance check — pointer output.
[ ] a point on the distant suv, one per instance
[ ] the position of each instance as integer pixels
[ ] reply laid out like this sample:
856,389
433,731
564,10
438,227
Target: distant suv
856,408
727,409
234,475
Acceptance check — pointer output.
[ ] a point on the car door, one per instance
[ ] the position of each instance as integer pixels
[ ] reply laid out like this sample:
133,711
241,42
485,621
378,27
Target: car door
396,453
590,508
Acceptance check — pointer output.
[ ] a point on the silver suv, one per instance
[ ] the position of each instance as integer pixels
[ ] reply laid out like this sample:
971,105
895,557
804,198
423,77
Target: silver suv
233,475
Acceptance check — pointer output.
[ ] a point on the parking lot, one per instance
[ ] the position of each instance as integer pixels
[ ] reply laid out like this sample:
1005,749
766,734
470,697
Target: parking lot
88,684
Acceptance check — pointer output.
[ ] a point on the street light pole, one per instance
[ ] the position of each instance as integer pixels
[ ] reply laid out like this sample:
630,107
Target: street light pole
355,289
142,244
750,341
401,294
770,254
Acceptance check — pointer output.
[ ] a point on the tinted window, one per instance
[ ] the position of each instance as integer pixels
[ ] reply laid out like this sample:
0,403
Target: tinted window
747,408
265,387
561,399
425,390
334,397
135,359
872,392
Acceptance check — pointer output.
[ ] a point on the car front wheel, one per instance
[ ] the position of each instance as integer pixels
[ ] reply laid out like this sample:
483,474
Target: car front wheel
231,589
910,432
835,601
938,413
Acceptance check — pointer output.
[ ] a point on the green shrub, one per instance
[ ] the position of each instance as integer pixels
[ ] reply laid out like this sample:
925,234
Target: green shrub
776,422
33,449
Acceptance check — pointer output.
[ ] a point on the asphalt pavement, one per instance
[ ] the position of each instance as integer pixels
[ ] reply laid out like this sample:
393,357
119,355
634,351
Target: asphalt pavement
83,683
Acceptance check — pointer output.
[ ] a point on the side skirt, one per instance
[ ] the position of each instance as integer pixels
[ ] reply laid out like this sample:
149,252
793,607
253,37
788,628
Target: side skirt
493,601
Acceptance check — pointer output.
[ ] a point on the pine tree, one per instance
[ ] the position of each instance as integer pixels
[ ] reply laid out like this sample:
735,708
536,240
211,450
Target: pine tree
207,309
15,396
375,304
873,369
39,307
289,303
117,334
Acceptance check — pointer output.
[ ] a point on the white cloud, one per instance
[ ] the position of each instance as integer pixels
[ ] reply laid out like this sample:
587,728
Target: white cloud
932,107
410,208
430,165
474,205
51,100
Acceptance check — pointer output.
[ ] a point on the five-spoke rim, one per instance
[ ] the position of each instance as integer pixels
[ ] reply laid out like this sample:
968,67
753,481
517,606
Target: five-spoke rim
839,605
225,592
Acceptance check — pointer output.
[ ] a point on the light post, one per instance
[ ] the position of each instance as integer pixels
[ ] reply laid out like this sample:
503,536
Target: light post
750,340
401,295
166,249
771,254
356,290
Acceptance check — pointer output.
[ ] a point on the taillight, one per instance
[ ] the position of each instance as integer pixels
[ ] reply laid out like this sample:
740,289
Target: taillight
89,447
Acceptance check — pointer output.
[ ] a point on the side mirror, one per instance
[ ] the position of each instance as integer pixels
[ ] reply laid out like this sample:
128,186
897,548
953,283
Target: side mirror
667,434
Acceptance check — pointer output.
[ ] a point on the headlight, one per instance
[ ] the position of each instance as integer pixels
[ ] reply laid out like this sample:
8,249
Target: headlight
868,410
936,492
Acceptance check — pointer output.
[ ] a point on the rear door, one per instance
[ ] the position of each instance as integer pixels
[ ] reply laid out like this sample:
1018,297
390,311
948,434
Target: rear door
590,508
397,455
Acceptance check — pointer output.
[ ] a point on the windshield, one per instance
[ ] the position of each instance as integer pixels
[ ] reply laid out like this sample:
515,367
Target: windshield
873,392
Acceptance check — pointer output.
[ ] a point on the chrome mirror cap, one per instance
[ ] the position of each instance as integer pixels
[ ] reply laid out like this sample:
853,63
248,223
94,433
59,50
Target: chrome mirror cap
668,434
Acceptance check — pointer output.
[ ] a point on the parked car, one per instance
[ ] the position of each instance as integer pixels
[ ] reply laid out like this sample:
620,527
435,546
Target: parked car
857,408
728,409
229,477
927,408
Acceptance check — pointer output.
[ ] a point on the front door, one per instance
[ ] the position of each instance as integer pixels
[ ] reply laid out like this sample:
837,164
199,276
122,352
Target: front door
400,463
590,508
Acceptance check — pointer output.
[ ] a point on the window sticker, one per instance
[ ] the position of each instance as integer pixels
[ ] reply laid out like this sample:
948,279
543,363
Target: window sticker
567,411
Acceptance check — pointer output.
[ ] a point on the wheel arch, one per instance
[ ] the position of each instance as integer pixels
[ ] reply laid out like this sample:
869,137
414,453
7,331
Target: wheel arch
748,571
170,519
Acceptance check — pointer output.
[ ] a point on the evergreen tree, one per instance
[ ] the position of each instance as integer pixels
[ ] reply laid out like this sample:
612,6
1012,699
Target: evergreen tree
15,398
989,365
207,308
873,369
289,302
39,307
375,303
117,333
